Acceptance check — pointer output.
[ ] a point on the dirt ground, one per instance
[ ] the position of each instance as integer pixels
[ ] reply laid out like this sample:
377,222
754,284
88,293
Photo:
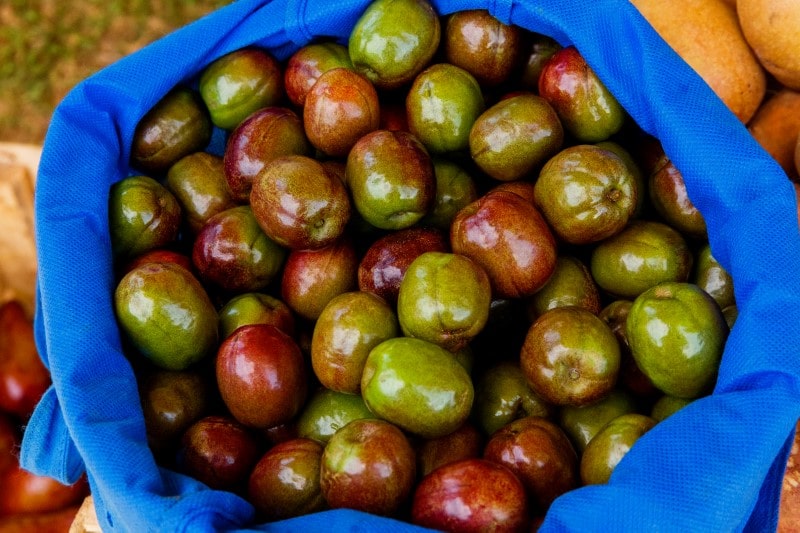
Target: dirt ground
47,46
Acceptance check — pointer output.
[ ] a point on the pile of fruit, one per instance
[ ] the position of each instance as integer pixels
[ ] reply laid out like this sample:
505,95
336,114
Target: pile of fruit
437,274
27,502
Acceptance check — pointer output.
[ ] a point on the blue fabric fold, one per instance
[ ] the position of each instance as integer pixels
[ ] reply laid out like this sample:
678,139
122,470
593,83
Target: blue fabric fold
715,466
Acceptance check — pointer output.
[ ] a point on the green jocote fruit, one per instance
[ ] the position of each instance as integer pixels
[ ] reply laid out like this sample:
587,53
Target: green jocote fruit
418,386
444,298
442,105
142,215
394,40
166,314
676,333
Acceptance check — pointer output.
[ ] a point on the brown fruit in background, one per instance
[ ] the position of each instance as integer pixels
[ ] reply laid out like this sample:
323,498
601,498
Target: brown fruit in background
24,492
340,108
506,235
708,37
776,126
261,376
23,376
48,522
772,29
789,518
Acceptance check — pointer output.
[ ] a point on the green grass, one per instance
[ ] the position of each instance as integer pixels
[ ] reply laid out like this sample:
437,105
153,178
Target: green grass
47,46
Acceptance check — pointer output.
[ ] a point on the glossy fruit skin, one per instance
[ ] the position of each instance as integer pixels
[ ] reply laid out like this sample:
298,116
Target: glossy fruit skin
710,276
233,253
327,411
540,49
264,135
587,109
515,137
442,105
522,188
348,328
391,179
444,298
482,45
25,493
167,315
540,455
418,386
586,193
570,357
299,204
23,376
171,402
386,261
394,40
261,376
471,495
570,284
639,257
286,481
667,406
307,64
581,424
635,169
158,255
502,395
312,278
142,215
491,230
218,451
631,377
176,126
341,107
255,308
368,465
671,200
239,83
610,445
455,189
8,442
198,183
466,442
677,332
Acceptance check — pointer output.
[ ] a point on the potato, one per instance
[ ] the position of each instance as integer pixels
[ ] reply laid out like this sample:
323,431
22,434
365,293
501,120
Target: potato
706,34
776,126
772,28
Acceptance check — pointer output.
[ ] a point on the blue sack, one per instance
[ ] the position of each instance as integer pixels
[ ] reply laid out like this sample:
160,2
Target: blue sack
716,465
